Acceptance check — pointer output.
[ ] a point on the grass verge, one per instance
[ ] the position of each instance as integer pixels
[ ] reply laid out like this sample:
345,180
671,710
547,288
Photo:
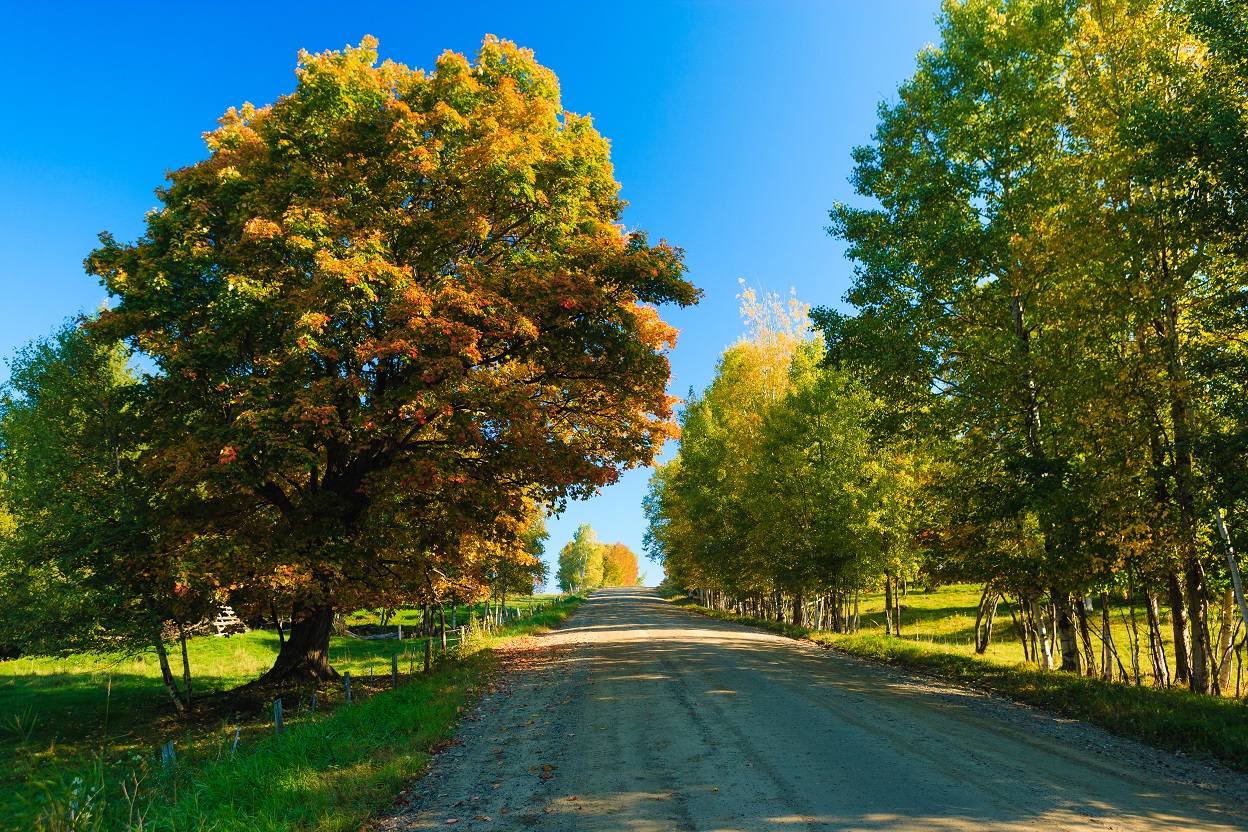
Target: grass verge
1171,719
329,772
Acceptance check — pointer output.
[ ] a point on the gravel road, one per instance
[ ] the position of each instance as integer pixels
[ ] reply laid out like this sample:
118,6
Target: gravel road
641,716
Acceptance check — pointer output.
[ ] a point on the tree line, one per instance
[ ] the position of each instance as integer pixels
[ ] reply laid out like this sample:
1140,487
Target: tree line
1040,382
361,349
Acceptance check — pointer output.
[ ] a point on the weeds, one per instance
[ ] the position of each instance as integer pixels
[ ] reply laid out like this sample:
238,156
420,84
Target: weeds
19,727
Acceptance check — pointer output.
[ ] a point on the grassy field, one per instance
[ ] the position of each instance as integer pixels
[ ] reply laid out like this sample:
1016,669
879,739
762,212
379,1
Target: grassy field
75,724
938,638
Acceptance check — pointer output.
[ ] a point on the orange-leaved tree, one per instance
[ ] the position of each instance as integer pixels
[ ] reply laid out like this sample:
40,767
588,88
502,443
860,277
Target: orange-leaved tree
392,296
619,565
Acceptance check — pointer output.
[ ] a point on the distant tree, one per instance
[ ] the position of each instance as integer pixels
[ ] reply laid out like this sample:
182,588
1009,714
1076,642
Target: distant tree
619,565
580,562
392,298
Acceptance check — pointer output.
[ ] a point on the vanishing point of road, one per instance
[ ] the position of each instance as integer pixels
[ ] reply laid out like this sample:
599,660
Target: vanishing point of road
641,716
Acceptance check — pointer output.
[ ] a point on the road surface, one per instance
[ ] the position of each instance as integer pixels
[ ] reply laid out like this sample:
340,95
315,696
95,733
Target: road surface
645,717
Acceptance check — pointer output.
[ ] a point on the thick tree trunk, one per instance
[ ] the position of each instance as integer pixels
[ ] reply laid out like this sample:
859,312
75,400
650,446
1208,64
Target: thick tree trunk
1065,624
1156,648
1178,622
1198,614
305,653
779,606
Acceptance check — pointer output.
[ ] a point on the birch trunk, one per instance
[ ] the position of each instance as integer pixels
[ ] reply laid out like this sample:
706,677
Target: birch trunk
1224,641
888,605
1156,648
1085,636
1108,654
1065,625
166,675
1044,650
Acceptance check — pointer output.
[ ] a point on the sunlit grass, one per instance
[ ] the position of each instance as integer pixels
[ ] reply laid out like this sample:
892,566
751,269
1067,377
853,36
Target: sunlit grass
328,771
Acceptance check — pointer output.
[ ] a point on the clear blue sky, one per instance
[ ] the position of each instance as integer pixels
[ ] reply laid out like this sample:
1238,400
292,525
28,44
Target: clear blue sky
731,126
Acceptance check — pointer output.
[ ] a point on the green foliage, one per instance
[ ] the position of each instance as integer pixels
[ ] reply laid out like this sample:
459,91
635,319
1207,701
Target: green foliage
580,562
388,315
88,557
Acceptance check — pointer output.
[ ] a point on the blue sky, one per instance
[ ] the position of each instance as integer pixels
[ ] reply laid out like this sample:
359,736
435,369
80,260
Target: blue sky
731,126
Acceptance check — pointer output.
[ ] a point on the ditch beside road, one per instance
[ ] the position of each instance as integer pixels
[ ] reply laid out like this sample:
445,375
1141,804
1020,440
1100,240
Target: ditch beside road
641,716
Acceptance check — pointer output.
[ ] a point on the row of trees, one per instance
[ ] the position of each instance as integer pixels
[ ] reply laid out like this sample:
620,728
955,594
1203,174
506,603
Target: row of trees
585,564
1045,366
389,322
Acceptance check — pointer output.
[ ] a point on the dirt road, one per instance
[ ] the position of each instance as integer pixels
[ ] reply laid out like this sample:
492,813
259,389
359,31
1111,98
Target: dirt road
641,716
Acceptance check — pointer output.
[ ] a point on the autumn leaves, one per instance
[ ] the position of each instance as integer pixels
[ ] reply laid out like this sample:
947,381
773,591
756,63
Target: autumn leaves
389,318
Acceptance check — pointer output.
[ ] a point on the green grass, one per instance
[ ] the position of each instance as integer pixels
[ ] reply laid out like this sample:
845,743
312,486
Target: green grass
331,771
1171,719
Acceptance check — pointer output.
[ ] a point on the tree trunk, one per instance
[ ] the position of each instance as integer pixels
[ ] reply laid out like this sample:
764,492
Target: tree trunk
1108,654
799,611
1065,624
305,653
186,667
1201,680
1156,648
1178,622
779,599
277,622
888,605
987,610
1044,649
1224,641
1198,614
1085,636
166,674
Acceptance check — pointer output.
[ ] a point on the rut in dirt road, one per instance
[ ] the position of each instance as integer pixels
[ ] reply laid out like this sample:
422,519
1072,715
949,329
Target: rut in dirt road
641,716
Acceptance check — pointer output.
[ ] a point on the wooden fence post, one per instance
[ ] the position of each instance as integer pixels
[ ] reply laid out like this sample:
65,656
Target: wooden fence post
394,670
346,685
167,758
278,724
234,747
312,712
428,654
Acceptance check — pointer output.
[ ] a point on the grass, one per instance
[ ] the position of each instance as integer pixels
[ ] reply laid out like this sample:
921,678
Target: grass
328,771
1171,719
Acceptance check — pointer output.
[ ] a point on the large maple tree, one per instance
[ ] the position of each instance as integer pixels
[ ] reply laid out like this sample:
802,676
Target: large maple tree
392,300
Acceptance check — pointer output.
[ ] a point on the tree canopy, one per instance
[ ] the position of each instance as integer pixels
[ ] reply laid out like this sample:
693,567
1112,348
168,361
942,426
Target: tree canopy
390,314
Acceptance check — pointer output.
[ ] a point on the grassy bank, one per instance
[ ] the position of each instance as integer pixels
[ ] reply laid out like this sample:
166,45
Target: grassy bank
1175,720
328,771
